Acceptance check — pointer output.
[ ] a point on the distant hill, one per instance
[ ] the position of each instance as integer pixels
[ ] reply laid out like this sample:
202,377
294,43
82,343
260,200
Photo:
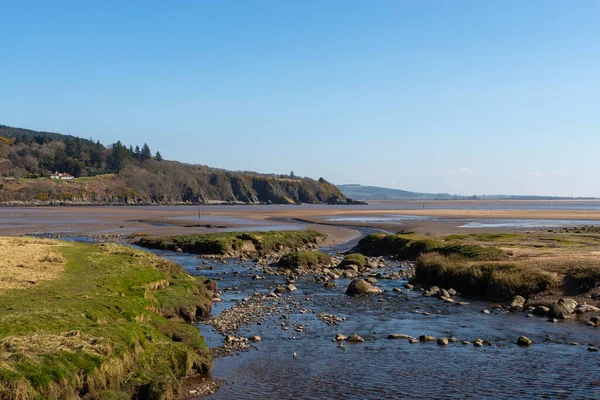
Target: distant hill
360,192
119,174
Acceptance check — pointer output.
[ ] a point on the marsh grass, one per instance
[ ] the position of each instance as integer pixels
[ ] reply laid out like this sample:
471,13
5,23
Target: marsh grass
353,258
492,279
235,243
408,246
304,258
499,265
102,328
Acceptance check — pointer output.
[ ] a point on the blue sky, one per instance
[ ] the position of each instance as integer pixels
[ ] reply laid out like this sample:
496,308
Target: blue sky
469,97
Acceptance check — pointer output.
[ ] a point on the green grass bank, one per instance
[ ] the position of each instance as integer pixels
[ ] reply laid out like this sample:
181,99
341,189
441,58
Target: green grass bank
111,324
304,258
500,265
235,243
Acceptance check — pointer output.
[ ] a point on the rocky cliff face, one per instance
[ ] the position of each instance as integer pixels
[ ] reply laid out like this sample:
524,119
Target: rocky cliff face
146,186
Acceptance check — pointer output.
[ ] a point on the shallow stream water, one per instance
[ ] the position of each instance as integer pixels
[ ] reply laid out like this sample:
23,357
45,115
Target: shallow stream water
380,368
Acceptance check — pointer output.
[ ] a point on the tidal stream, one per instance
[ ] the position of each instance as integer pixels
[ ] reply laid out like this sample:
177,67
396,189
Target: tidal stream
552,367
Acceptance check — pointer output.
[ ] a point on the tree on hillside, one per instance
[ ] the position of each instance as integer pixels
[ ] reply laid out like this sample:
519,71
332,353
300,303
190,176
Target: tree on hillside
136,153
145,153
158,156
117,157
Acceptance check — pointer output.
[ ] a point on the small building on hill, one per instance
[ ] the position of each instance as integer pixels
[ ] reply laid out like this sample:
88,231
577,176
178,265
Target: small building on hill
62,175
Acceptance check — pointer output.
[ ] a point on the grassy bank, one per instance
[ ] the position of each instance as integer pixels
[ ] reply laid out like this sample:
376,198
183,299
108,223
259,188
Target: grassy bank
408,246
353,259
499,265
235,243
305,258
107,323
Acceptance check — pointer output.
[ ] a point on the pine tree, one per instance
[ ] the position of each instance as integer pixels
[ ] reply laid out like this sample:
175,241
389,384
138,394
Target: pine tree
136,153
117,156
158,156
145,153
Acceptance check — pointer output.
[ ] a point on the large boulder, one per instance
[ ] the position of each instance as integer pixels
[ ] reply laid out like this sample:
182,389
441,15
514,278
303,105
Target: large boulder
560,311
360,286
563,308
569,304
516,303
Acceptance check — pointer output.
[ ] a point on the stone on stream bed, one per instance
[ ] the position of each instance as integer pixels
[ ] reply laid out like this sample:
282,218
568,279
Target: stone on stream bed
360,286
586,308
562,309
524,341
330,319
442,341
285,288
516,303
354,338
398,336
541,311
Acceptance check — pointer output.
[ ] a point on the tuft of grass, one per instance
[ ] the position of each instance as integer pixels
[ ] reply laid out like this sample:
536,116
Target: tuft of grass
304,258
235,243
407,246
353,258
109,326
490,279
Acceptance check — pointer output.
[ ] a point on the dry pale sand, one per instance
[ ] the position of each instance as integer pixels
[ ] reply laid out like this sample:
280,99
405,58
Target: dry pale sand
172,220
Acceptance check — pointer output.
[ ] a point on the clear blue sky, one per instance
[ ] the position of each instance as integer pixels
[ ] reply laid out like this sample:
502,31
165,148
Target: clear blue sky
470,97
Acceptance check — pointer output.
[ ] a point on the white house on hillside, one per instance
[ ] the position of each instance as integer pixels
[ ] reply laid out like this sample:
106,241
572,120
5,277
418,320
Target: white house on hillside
64,175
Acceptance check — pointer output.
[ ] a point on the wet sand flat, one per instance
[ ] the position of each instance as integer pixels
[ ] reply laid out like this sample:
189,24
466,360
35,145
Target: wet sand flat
437,217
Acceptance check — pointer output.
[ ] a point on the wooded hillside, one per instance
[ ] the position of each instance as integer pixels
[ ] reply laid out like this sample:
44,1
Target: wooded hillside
119,174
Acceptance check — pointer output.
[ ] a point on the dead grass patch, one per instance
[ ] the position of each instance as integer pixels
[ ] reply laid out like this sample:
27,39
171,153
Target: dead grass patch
42,343
27,261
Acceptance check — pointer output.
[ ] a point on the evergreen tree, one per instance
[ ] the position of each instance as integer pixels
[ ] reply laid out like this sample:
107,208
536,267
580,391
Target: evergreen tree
158,156
136,153
145,153
117,157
